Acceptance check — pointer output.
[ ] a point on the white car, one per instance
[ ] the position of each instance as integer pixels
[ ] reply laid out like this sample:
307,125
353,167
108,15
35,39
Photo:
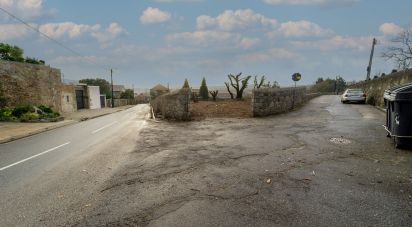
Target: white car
353,95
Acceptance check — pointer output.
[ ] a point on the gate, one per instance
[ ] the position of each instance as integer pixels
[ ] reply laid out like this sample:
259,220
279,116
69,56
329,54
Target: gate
80,99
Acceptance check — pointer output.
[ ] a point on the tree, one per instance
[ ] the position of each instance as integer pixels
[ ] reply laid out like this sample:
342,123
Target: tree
275,84
228,90
319,80
127,94
186,84
11,53
401,50
260,83
34,61
204,91
103,84
214,94
238,83
329,85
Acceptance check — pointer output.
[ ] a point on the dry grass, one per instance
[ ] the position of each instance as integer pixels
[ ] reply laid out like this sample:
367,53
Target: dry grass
221,108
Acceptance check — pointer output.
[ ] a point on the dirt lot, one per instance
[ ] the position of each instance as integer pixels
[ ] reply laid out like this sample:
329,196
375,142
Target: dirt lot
221,108
326,164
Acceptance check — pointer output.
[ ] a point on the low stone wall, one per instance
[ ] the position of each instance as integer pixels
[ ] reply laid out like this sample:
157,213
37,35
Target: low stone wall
174,105
375,88
23,83
270,101
121,102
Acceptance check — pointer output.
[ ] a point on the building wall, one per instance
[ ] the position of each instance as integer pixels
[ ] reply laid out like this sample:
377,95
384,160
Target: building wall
68,99
93,93
375,88
174,105
270,101
23,83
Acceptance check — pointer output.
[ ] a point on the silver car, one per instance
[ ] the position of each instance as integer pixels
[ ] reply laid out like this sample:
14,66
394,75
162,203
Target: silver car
353,95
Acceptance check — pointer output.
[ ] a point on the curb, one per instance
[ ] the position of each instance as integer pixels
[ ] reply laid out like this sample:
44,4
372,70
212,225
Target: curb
7,140
380,108
70,122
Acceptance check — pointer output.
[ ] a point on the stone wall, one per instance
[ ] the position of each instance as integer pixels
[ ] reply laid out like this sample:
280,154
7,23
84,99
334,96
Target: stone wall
68,102
174,105
269,101
23,83
375,88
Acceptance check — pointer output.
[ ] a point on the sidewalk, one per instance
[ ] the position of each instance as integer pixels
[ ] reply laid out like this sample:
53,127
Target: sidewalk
10,131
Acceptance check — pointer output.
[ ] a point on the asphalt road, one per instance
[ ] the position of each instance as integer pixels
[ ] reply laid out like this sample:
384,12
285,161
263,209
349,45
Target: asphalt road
326,164
47,165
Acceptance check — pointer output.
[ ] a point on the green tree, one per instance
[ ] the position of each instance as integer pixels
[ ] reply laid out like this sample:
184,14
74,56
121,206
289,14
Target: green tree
329,85
204,91
34,61
186,84
11,53
104,85
260,83
127,94
238,83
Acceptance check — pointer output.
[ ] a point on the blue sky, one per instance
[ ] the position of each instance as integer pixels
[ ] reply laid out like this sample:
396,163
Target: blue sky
165,41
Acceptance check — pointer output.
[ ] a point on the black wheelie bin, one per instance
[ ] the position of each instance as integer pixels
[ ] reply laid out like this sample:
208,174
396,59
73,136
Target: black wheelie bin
398,102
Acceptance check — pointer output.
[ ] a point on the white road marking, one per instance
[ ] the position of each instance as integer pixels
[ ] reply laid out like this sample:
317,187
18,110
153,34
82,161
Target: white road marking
98,130
34,156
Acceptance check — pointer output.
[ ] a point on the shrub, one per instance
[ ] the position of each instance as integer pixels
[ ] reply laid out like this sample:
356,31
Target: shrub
29,116
20,110
6,114
45,109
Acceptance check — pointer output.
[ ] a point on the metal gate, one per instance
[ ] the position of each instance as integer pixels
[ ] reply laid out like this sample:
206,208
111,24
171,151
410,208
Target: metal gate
80,99
103,101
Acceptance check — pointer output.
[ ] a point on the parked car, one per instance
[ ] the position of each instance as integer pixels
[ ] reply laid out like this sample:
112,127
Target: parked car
353,95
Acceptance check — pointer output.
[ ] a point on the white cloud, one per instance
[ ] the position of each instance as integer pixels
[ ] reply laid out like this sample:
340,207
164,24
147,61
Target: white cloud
70,29
154,15
14,31
335,43
247,43
390,29
203,37
231,20
267,55
109,34
73,31
26,9
302,28
309,2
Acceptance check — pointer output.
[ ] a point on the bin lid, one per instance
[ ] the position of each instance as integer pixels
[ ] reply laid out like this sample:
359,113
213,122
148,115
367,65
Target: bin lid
399,93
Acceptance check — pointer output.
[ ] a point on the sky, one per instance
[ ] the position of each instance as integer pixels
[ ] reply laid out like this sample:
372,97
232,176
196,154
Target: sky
147,42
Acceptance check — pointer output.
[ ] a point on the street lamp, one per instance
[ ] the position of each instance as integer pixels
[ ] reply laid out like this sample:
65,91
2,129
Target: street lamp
111,79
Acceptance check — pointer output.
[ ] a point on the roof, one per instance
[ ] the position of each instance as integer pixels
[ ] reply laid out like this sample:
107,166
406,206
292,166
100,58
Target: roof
159,87
119,88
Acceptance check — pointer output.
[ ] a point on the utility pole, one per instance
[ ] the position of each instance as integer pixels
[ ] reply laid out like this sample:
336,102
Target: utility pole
111,78
368,76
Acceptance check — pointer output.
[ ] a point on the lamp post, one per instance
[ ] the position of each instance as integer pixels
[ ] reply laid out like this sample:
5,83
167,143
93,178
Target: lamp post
111,78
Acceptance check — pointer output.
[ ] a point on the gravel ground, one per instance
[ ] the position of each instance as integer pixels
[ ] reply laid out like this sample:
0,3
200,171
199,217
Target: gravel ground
326,164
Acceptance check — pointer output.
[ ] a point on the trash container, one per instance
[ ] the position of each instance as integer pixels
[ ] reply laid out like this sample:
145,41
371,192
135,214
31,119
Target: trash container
398,102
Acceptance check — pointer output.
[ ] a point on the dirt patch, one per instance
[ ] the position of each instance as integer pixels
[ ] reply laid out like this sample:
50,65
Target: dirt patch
222,108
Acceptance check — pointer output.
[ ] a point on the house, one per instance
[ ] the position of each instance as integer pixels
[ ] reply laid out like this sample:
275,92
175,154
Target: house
76,96
158,90
118,90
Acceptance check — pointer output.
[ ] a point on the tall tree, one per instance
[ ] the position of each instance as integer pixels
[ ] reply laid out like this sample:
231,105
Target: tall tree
186,84
103,84
204,91
11,53
127,94
401,50
238,83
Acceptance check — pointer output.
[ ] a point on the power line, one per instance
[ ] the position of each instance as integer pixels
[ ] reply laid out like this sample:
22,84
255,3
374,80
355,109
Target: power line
50,38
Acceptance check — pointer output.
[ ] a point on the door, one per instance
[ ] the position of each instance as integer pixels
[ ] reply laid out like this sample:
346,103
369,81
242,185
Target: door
103,101
80,99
